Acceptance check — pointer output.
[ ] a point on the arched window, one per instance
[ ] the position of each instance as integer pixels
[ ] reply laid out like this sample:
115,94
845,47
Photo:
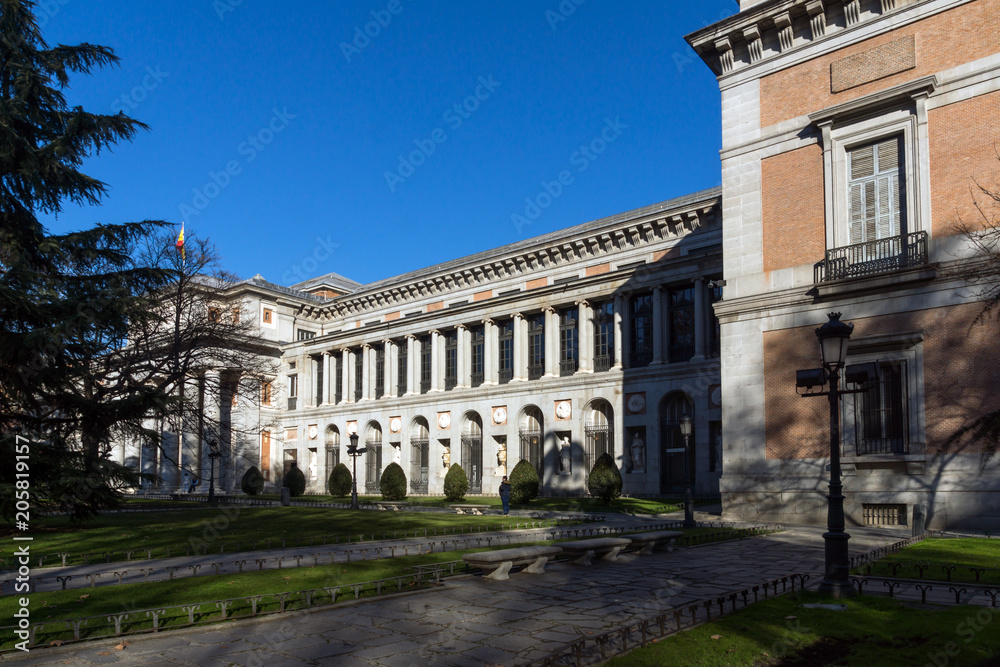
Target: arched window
530,436
373,457
599,432
673,452
331,439
472,451
420,444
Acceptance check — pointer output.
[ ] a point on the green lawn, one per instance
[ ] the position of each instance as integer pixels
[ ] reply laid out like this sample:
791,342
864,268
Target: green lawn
968,552
872,632
225,526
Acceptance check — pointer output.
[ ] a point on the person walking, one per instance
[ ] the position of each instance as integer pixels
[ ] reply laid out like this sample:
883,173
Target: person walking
505,495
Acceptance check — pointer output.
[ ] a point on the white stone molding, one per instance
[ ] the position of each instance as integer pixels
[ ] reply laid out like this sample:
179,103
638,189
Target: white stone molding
817,18
783,24
888,5
752,35
724,47
852,10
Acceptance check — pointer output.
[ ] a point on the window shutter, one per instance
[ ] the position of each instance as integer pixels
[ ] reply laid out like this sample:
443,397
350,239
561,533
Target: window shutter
857,214
862,162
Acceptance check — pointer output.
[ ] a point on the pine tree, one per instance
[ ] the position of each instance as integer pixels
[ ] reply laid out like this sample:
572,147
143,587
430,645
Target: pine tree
65,300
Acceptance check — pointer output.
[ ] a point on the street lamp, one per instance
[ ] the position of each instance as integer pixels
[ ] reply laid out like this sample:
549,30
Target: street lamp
213,456
834,337
354,453
689,521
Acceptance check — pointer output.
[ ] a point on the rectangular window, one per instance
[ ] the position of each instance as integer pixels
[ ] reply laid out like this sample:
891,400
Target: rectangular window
379,372
641,343
293,391
569,341
477,357
715,331
267,316
604,336
451,359
214,314
505,352
880,413
318,366
265,392
425,364
876,190
265,454
338,387
302,334
536,346
359,373
402,357
682,324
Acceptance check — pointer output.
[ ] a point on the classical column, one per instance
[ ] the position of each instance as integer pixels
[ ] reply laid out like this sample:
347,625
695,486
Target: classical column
326,377
367,386
347,376
412,364
391,368
491,352
585,328
463,365
658,324
551,342
699,318
211,427
520,349
437,359
619,331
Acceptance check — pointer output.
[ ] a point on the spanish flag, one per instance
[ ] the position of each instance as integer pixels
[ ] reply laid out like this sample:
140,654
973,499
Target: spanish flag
180,243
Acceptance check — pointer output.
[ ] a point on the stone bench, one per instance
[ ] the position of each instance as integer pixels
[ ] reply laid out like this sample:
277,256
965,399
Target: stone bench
471,509
645,543
393,505
607,548
496,564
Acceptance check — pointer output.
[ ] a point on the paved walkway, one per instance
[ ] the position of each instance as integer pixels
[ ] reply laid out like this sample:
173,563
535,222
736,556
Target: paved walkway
474,621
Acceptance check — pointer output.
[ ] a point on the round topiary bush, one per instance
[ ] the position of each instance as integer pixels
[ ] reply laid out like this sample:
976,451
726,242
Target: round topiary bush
605,479
455,483
295,481
252,482
340,482
523,483
393,483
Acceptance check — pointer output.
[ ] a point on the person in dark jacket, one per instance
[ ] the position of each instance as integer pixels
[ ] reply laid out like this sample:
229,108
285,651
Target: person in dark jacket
505,495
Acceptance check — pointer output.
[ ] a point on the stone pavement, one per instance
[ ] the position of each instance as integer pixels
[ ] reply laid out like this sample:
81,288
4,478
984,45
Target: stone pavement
473,621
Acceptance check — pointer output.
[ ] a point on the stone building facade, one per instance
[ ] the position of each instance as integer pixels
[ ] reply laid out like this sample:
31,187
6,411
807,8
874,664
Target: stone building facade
852,132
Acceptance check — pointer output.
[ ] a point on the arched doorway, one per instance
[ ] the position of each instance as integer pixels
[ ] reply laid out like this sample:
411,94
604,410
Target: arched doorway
331,441
599,432
420,455
472,451
373,457
530,435
673,472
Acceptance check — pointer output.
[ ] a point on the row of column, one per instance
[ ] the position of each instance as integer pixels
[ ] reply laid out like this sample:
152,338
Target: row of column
586,330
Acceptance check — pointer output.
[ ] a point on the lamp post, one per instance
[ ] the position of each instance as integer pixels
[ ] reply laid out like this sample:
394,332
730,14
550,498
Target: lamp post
834,337
354,452
689,521
213,456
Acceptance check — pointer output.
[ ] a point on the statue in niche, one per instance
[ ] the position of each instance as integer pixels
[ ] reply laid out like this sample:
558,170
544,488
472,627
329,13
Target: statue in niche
638,451
501,460
446,458
565,458
397,455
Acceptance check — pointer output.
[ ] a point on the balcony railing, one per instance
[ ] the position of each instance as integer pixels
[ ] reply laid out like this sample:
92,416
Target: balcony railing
505,375
535,371
602,362
293,402
873,257
477,379
567,367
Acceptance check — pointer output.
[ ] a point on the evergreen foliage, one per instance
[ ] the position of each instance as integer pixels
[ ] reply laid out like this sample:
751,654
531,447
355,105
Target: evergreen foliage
252,482
295,481
524,483
393,483
605,480
340,483
456,483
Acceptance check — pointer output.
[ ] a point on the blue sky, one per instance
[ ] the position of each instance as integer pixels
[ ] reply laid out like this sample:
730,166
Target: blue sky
374,137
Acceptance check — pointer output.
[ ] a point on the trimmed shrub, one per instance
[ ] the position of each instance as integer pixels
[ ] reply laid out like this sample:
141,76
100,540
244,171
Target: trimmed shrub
456,483
340,482
523,483
252,482
605,479
393,483
295,481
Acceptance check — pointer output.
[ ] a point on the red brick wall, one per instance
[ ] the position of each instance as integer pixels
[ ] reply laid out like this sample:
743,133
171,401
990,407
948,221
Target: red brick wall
961,378
963,146
792,206
945,40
